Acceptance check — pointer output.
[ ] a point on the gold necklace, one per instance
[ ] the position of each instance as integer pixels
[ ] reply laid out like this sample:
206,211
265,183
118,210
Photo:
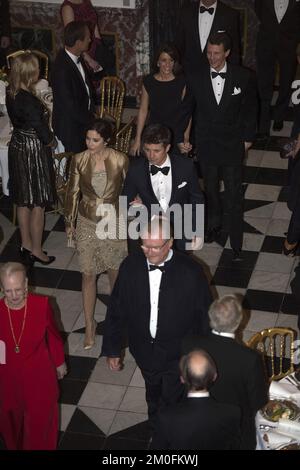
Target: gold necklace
17,343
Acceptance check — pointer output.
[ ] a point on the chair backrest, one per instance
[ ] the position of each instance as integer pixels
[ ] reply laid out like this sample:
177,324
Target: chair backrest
123,137
276,347
42,57
112,92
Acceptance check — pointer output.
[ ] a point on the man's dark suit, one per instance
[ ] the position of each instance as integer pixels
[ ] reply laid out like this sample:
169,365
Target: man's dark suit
220,131
241,379
198,423
185,186
183,303
188,40
71,113
276,42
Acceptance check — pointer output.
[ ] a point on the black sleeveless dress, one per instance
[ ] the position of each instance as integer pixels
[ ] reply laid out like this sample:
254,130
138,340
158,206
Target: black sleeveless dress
30,164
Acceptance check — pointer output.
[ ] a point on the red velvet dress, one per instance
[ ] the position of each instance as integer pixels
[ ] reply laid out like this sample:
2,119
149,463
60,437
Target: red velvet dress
86,12
28,381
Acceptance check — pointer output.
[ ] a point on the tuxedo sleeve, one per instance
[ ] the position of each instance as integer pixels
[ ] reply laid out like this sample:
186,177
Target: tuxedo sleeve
249,109
114,326
130,189
204,299
195,198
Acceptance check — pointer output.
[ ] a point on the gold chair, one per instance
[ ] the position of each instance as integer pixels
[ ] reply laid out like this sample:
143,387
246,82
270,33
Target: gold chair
112,92
276,347
123,137
43,60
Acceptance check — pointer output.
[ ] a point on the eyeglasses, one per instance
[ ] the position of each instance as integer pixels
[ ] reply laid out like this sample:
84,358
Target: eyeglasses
156,249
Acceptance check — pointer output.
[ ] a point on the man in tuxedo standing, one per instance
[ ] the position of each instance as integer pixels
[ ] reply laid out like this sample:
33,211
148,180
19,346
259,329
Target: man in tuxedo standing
225,98
278,35
4,30
241,378
73,100
198,20
199,422
161,180
159,297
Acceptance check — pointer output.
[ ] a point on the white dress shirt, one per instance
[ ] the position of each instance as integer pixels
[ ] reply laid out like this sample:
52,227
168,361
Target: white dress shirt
205,21
222,333
198,394
280,7
154,283
81,70
218,83
162,185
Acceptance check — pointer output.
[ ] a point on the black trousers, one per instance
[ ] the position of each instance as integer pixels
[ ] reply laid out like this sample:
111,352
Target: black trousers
163,388
233,200
268,53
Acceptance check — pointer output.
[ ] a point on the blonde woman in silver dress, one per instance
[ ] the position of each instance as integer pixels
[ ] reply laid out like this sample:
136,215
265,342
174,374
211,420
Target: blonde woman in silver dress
96,178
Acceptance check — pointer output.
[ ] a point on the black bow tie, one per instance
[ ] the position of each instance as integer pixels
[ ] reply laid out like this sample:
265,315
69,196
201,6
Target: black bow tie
152,267
155,169
209,10
216,74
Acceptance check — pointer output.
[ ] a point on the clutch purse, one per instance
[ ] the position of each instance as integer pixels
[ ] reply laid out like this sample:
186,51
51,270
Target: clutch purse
287,147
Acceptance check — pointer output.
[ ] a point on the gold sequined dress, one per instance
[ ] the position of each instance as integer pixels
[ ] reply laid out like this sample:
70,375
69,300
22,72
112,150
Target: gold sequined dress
96,255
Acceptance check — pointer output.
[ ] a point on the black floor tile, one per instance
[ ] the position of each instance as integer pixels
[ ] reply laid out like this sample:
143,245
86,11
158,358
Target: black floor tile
263,300
273,176
45,277
79,441
81,423
250,204
124,444
71,280
71,390
140,431
80,368
248,261
248,228
290,305
60,225
249,174
233,277
272,244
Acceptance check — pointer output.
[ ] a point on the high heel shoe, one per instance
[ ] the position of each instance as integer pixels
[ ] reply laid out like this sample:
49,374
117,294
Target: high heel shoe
25,255
45,263
89,344
290,251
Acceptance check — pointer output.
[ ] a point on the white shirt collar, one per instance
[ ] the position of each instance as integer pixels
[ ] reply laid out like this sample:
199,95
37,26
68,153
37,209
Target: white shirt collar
72,56
226,335
167,162
198,394
223,70
214,5
170,254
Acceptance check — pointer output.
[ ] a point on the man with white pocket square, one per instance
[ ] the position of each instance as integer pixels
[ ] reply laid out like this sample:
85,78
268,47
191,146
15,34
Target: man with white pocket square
225,100
159,181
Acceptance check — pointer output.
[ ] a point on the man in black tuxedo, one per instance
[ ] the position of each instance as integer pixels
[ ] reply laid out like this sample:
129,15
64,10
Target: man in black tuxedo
161,181
199,422
158,298
278,35
225,98
198,20
73,100
4,30
241,377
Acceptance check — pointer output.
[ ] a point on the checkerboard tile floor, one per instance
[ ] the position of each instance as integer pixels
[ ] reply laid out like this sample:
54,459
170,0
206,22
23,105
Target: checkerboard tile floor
105,410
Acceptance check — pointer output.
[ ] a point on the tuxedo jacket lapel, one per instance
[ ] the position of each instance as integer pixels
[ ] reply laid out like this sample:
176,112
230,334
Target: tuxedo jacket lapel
76,71
227,90
148,181
175,178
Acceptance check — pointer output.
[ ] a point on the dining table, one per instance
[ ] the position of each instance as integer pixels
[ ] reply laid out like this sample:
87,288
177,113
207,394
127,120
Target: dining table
283,429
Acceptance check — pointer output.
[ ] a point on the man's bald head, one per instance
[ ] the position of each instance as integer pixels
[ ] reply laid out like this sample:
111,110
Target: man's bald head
198,370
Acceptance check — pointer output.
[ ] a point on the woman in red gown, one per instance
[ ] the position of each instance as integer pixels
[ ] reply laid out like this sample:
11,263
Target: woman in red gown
31,361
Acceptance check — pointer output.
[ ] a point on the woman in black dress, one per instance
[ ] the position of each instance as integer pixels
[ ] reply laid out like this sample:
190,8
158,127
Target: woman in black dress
162,94
31,173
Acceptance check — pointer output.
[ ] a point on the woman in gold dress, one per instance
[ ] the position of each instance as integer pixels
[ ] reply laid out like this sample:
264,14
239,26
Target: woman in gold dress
95,183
